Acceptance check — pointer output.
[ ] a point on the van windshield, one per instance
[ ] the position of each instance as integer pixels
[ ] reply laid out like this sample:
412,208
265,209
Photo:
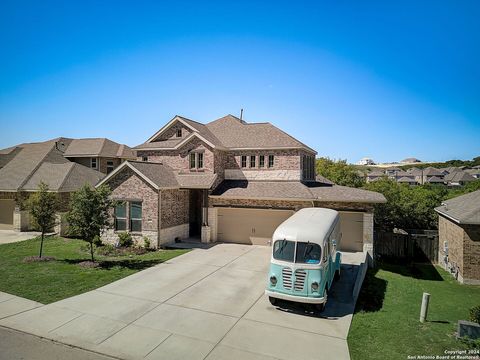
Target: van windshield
307,253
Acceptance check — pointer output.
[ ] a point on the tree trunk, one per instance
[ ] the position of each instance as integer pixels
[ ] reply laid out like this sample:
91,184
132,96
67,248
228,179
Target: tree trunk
91,250
41,244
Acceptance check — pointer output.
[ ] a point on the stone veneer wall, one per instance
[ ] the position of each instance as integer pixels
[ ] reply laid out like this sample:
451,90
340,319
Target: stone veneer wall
170,234
248,174
128,186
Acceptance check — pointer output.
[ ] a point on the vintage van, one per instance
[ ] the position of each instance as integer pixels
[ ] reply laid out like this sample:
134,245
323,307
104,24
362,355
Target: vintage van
305,260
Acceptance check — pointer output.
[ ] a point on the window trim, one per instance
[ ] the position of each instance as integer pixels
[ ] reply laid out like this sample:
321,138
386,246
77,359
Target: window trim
110,165
116,218
271,161
197,159
131,219
145,158
94,160
253,161
261,161
243,161
178,133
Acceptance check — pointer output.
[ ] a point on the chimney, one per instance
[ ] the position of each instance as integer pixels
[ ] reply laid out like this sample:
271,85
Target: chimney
241,114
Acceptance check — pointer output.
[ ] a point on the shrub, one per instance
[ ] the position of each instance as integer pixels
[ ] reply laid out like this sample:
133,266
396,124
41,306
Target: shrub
146,242
125,239
106,249
475,314
97,241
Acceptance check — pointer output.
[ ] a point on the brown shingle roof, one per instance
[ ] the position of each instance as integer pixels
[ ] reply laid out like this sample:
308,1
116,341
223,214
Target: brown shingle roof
458,176
463,209
196,181
294,190
98,147
161,175
235,133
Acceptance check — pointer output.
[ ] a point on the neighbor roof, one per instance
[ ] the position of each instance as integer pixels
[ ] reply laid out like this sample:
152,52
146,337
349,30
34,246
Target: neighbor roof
295,190
101,147
464,209
435,179
31,163
229,132
458,176
406,179
431,171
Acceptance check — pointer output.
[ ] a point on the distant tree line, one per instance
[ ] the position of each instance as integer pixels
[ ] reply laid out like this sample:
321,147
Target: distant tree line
407,207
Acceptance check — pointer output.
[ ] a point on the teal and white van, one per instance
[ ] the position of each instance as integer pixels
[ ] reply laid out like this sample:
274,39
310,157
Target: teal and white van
305,260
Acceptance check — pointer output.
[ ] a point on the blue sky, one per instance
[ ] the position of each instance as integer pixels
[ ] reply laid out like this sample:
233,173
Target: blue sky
382,79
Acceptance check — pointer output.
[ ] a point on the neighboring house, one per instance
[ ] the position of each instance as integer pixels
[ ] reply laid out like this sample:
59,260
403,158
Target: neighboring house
458,178
365,161
374,175
429,175
409,180
24,166
459,236
474,172
410,161
100,154
229,181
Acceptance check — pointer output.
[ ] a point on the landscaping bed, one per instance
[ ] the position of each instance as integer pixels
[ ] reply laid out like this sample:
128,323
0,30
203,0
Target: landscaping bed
386,321
67,274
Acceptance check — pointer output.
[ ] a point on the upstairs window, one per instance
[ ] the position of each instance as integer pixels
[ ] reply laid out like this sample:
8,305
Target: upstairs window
196,160
121,217
110,166
244,161
261,161
136,216
179,133
271,161
144,158
253,161
93,163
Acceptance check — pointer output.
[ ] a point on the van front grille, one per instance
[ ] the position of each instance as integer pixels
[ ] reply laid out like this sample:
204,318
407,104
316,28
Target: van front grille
300,276
287,278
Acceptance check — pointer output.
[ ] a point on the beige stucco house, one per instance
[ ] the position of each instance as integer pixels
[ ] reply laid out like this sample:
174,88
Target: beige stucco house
227,180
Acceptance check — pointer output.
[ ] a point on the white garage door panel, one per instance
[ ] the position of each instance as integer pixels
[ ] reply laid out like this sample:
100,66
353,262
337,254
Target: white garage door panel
351,227
249,226
6,214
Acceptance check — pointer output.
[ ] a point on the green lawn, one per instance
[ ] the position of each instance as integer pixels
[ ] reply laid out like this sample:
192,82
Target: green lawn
47,282
386,322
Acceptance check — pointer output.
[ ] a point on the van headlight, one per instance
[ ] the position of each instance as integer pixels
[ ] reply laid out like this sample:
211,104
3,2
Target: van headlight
315,286
273,280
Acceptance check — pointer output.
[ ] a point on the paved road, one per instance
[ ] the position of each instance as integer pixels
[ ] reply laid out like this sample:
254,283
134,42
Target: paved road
206,304
15,345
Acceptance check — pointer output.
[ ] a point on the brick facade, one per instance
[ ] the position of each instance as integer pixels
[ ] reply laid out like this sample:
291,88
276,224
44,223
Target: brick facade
101,162
179,159
171,132
463,242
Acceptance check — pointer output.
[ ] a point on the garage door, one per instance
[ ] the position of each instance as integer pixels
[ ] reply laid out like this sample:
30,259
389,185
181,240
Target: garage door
249,226
6,214
351,226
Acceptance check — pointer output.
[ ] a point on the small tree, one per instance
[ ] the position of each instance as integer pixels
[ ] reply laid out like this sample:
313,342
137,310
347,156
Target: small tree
42,206
339,172
89,212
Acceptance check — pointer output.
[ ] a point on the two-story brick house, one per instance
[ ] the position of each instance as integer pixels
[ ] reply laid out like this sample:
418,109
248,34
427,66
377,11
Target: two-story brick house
229,181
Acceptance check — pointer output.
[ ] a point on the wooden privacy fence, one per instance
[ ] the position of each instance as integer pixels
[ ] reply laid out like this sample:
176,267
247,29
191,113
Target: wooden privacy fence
420,246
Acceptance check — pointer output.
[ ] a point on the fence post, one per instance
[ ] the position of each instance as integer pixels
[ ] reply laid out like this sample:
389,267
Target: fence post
424,309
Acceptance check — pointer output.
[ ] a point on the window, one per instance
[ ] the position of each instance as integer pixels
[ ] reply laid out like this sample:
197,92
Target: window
196,160
252,161
136,216
110,166
271,161
284,250
179,132
144,158
121,217
93,163
261,161
244,161
308,253
192,161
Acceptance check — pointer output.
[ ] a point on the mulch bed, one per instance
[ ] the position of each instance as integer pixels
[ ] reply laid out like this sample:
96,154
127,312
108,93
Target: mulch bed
30,259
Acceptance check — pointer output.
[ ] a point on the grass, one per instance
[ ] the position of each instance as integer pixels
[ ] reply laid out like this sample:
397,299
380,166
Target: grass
386,321
51,281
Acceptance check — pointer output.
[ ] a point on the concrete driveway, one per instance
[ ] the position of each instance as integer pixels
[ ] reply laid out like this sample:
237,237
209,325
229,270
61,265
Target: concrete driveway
10,236
206,304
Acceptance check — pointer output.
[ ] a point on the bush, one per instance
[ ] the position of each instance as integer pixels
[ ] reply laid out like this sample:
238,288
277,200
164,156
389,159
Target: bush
475,314
106,249
146,242
125,239
97,241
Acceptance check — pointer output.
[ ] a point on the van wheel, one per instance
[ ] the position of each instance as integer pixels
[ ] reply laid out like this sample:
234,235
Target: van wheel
337,275
272,300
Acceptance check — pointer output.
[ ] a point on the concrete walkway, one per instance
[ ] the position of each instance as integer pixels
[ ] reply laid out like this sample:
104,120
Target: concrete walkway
206,304
10,236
